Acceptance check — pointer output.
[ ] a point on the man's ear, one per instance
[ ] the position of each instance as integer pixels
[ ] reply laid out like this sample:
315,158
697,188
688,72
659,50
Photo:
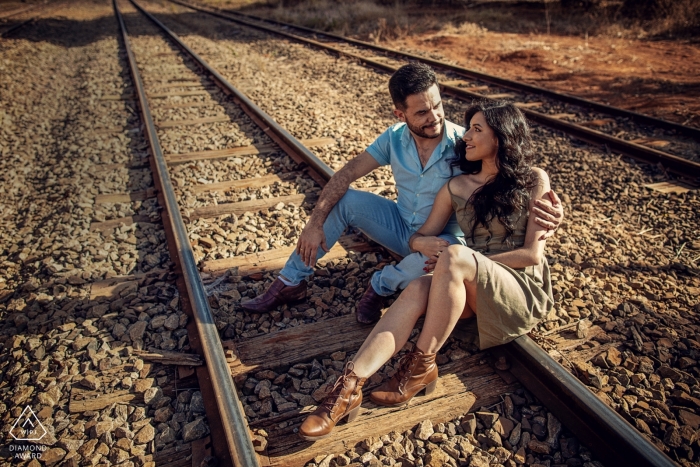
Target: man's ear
400,115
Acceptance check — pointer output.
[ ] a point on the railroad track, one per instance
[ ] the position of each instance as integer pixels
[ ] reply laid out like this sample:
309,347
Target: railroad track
636,135
466,383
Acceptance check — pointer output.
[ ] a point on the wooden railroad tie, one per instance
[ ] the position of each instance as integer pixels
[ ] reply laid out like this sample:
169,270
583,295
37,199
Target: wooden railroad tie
503,95
207,212
460,83
464,384
675,186
272,260
256,182
194,121
180,105
239,151
163,95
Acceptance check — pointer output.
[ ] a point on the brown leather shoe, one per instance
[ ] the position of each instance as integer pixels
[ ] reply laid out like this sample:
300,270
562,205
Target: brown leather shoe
416,372
343,401
369,308
276,295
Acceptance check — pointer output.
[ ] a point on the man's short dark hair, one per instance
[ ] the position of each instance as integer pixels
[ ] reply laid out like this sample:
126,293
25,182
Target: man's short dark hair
413,78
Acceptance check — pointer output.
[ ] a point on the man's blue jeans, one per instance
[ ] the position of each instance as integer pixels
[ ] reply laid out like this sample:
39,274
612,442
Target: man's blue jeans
380,220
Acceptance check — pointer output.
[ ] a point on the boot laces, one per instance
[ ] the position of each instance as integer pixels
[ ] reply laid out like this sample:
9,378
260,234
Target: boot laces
406,369
335,392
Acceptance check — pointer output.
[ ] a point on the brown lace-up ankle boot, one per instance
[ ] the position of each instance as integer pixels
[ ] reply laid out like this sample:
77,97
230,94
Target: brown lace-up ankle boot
343,401
416,372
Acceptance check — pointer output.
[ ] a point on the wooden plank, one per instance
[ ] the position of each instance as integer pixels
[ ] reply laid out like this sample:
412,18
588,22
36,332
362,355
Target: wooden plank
125,197
239,151
163,95
180,105
464,385
300,343
653,142
221,153
528,105
82,402
110,167
675,186
112,286
465,85
183,84
274,259
563,116
119,97
503,95
168,357
167,457
195,121
114,223
598,122
583,355
257,182
206,212
567,340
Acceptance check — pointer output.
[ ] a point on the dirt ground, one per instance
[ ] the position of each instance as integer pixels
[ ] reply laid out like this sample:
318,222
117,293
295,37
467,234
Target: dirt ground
660,78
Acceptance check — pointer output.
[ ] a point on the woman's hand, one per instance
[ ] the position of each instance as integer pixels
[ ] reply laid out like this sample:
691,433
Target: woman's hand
430,247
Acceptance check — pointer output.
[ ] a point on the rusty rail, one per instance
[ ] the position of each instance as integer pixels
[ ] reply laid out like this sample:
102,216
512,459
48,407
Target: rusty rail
229,417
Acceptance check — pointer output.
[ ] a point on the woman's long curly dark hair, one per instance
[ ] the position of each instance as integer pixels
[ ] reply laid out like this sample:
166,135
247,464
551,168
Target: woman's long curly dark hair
509,190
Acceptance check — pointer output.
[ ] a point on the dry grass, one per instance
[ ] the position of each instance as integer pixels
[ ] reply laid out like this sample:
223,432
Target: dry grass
382,19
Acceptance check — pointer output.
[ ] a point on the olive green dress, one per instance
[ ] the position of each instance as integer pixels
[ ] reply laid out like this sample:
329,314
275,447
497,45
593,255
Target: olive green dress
509,302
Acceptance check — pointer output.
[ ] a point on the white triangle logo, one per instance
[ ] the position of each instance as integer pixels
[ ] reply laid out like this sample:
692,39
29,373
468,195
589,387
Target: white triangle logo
28,427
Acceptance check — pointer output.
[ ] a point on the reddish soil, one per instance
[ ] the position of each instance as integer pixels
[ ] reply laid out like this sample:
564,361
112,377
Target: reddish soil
660,78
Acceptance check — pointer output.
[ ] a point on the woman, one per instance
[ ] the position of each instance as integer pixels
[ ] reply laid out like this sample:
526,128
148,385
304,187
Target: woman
501,277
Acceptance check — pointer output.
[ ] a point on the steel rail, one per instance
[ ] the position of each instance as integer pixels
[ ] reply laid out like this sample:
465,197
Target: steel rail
607,434
320,171
673,163
503,82
233,420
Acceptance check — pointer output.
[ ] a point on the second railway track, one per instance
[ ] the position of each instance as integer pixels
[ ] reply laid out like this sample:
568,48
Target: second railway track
675,146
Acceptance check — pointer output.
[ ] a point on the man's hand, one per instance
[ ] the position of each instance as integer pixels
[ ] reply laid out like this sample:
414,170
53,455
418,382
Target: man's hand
548,214
311,238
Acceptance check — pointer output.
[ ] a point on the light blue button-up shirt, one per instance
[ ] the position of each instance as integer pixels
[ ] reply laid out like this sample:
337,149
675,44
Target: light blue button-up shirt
417,186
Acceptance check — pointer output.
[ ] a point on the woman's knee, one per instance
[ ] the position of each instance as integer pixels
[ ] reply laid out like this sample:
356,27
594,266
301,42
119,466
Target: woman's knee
457,258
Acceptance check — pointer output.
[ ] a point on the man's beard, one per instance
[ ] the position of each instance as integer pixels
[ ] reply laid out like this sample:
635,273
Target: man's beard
418,131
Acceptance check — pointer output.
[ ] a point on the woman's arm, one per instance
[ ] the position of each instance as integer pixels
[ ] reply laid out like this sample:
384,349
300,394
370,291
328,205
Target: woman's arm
425,240
532,250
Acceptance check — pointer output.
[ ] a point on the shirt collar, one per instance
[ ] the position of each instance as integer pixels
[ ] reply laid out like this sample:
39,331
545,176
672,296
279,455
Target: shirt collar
448,136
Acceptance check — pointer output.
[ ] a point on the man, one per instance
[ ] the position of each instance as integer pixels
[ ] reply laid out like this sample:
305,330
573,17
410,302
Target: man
418,150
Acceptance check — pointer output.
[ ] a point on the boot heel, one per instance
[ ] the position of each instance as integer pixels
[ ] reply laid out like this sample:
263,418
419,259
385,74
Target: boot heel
352,415
430,387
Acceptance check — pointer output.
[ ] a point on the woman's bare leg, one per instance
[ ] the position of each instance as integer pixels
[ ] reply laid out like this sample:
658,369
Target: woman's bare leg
394,329
452,296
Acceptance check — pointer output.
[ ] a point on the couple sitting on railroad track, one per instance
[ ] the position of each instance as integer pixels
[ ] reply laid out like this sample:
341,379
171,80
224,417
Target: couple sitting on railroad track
481,233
